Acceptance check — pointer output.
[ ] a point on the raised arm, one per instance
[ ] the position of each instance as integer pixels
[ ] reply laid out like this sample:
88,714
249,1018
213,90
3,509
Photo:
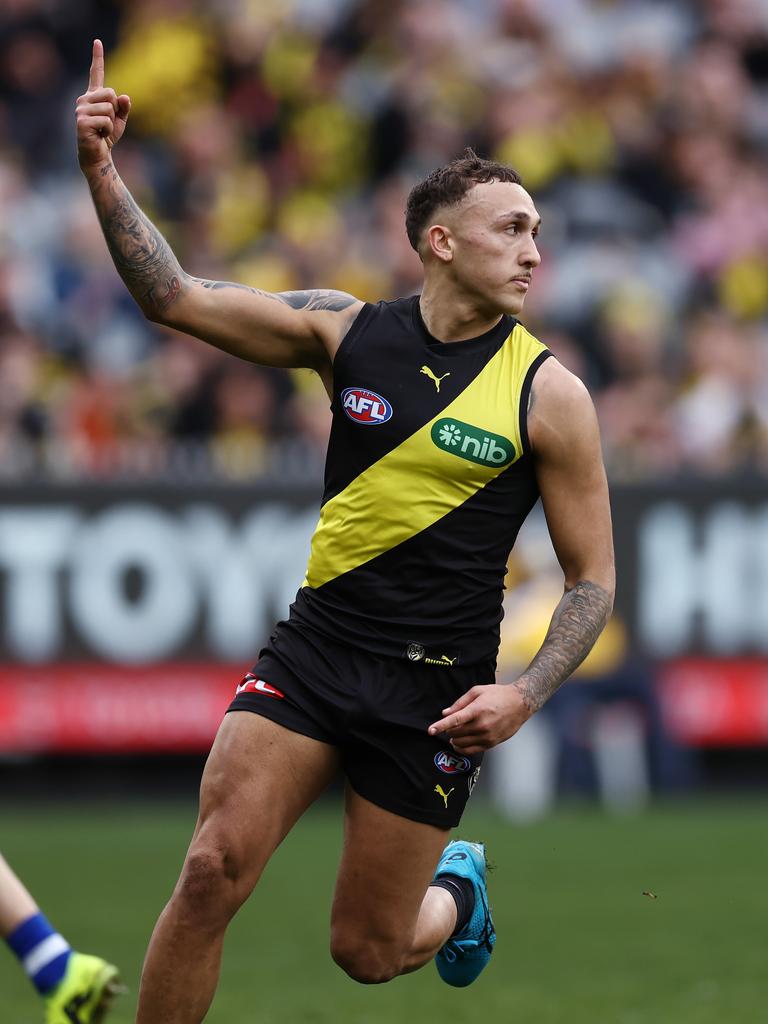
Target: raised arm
566,444
302,328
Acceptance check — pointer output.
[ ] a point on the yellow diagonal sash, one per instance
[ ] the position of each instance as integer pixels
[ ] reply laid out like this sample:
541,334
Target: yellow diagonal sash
418,483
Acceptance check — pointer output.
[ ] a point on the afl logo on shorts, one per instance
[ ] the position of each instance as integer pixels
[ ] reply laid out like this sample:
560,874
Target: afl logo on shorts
365,407
452,764
251,684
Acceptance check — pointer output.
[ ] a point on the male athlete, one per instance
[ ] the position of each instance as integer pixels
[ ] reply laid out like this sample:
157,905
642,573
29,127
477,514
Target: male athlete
449,421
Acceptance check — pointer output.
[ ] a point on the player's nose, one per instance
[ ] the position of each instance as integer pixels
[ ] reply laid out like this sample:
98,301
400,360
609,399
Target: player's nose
529,255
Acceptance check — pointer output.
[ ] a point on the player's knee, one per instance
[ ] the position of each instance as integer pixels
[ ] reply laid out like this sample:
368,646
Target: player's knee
365,960
212,882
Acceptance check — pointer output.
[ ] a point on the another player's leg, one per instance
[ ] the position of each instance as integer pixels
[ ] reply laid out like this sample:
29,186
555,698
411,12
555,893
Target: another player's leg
76,988
388,918
259,779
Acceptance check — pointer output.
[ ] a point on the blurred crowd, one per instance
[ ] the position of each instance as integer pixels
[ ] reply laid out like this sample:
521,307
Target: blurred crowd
274,143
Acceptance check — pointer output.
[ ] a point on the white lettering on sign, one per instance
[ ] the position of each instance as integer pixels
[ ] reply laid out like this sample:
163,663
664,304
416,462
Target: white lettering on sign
248,574
194,565
34,547
703,573
147,540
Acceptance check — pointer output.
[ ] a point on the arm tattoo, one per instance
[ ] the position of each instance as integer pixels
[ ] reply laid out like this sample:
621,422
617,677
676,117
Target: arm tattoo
141,255
576,624
149,268
314,298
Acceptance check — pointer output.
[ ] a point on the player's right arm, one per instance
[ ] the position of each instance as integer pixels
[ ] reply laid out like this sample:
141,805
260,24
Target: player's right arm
301,328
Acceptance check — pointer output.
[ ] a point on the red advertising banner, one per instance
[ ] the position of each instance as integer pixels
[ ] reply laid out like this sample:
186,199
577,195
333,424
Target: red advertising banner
100,708
716,703
127,611
177,706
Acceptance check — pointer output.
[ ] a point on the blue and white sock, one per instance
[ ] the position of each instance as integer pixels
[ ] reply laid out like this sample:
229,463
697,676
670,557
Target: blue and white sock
43,953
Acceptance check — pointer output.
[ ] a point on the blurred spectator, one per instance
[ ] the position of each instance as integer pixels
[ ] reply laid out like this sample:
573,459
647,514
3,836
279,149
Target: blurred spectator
275,143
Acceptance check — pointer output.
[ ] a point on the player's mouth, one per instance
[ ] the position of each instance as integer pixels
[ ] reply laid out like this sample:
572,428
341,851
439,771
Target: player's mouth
521,282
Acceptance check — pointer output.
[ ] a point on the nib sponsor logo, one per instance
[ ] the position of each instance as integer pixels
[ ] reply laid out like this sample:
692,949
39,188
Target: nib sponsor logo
251,684
472,443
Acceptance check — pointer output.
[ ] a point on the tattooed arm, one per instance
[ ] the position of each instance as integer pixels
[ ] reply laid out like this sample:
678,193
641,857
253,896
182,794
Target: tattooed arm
301,328
578,621
563,430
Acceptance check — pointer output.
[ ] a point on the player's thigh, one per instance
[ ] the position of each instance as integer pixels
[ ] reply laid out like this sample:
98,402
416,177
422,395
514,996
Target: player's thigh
259,779
386,865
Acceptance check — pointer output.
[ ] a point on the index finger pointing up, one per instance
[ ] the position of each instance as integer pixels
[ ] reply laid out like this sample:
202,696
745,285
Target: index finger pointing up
96,76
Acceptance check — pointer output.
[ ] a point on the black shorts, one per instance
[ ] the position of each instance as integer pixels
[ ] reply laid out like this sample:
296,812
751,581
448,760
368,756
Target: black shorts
376,711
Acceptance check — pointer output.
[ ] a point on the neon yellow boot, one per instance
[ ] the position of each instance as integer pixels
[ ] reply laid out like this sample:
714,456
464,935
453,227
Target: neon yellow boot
85,993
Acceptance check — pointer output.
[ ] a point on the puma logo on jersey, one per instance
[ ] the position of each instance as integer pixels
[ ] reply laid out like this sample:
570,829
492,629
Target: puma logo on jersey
441,792
436,380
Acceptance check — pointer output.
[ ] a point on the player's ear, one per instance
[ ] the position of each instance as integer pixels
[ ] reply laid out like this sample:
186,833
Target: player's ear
440,242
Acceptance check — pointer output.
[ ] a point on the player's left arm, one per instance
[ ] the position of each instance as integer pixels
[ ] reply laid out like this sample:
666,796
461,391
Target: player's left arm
565,440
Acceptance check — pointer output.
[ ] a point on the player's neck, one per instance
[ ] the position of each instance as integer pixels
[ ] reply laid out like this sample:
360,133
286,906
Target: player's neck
451,317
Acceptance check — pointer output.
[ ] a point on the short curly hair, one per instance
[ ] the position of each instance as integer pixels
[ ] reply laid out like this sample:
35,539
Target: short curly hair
447,186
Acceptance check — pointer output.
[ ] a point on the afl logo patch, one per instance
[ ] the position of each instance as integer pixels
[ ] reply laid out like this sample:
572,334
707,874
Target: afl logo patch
365,406
451,764
252,684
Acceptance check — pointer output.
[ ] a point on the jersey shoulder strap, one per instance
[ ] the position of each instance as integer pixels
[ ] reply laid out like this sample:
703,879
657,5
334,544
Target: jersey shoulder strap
526,354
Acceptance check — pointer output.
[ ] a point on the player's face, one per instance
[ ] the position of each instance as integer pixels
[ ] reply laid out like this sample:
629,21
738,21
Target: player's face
494,232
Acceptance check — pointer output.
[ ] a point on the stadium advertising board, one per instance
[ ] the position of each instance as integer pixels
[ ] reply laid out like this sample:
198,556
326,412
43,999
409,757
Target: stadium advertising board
693,570
129,614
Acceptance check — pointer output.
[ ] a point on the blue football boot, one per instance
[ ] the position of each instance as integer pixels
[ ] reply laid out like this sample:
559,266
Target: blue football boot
465,954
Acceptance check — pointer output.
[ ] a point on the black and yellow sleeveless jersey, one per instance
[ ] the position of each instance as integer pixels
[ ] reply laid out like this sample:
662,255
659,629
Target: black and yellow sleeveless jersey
428,479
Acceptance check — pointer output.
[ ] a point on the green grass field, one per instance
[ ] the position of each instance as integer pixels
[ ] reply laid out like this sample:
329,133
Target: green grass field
578,943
